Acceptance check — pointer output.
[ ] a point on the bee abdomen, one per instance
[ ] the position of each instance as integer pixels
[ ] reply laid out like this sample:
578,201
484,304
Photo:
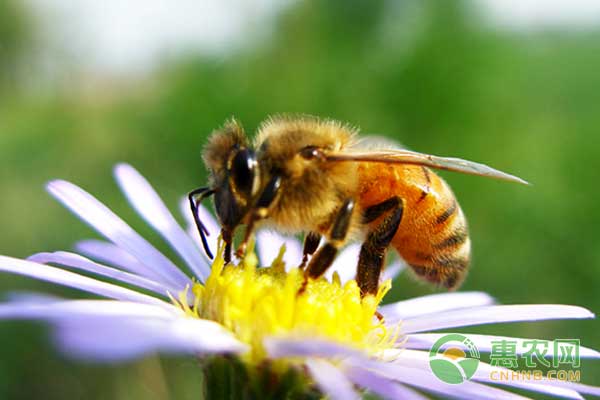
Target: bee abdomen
449,212
433,237
459,236
447,259
448,270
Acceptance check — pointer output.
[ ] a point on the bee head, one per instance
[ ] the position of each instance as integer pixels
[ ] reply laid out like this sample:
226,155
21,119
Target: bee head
234,174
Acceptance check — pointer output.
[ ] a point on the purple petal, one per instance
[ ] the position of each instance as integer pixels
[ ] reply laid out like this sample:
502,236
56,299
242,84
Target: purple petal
278,347
420,360
412,368
425,380
433,304
57,309
268,244
381,386
393,270
99,217
149,205
119,339
330,380
579,387
66,278
104,330
345,263
76,261
109,253
26,297
492,315
209,222
424,341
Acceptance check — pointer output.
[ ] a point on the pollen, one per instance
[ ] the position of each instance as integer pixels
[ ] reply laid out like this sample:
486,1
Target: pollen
256,302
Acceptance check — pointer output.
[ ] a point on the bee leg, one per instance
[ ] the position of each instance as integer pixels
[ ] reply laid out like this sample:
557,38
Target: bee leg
227,237
370,214
260,211
326,254
311,242
372,253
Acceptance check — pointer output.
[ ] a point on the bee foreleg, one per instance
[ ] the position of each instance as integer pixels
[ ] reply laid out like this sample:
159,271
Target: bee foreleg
227,237
194,198
372,253
311,242
260,210
326,254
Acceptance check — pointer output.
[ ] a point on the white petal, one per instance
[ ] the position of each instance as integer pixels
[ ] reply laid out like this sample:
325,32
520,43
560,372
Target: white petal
393,270
210,223
268,244
579,387
382,386
54,309
66,278
103,330
433,304
424,341
120,339
99,217
330,380
25,297
491,315
79,262
109,253
149,205
282,347
345,263
425,380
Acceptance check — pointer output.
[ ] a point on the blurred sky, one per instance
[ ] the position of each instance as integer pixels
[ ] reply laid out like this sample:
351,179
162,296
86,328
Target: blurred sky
116,37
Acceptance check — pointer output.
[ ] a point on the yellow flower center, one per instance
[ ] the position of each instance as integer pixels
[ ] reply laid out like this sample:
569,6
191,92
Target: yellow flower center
255,303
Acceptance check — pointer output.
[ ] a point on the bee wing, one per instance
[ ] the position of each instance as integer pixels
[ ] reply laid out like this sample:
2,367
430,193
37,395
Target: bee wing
374,142
412,157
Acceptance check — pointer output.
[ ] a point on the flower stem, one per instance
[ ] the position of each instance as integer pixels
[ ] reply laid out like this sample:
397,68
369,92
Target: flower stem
226,377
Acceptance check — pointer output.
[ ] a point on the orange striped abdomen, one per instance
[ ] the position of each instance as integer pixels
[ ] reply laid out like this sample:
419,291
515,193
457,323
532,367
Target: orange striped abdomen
433,236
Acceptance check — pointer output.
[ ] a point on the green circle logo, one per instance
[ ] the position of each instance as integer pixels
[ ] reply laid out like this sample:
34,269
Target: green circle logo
453,358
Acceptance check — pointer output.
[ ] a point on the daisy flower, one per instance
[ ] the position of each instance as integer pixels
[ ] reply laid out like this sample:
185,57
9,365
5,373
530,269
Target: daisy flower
249,320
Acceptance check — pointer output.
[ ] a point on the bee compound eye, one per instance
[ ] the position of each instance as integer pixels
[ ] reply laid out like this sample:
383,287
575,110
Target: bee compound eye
310,152
243,171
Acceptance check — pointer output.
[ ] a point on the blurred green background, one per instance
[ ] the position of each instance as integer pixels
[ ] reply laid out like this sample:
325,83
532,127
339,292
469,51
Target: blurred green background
437,76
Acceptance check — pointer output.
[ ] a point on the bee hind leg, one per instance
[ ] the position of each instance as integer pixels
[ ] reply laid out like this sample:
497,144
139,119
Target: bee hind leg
370,214
324,257
372,253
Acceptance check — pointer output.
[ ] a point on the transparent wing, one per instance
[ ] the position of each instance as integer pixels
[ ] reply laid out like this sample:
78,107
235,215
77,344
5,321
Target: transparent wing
412,157
374,142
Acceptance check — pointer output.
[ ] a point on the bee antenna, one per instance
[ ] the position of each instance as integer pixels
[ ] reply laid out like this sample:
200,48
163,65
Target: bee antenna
195,197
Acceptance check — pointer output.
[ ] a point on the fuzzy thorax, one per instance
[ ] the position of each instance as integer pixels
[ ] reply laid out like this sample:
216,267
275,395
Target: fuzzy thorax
255,303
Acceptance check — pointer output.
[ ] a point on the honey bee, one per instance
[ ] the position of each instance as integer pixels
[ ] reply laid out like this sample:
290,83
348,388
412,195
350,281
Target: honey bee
312,176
